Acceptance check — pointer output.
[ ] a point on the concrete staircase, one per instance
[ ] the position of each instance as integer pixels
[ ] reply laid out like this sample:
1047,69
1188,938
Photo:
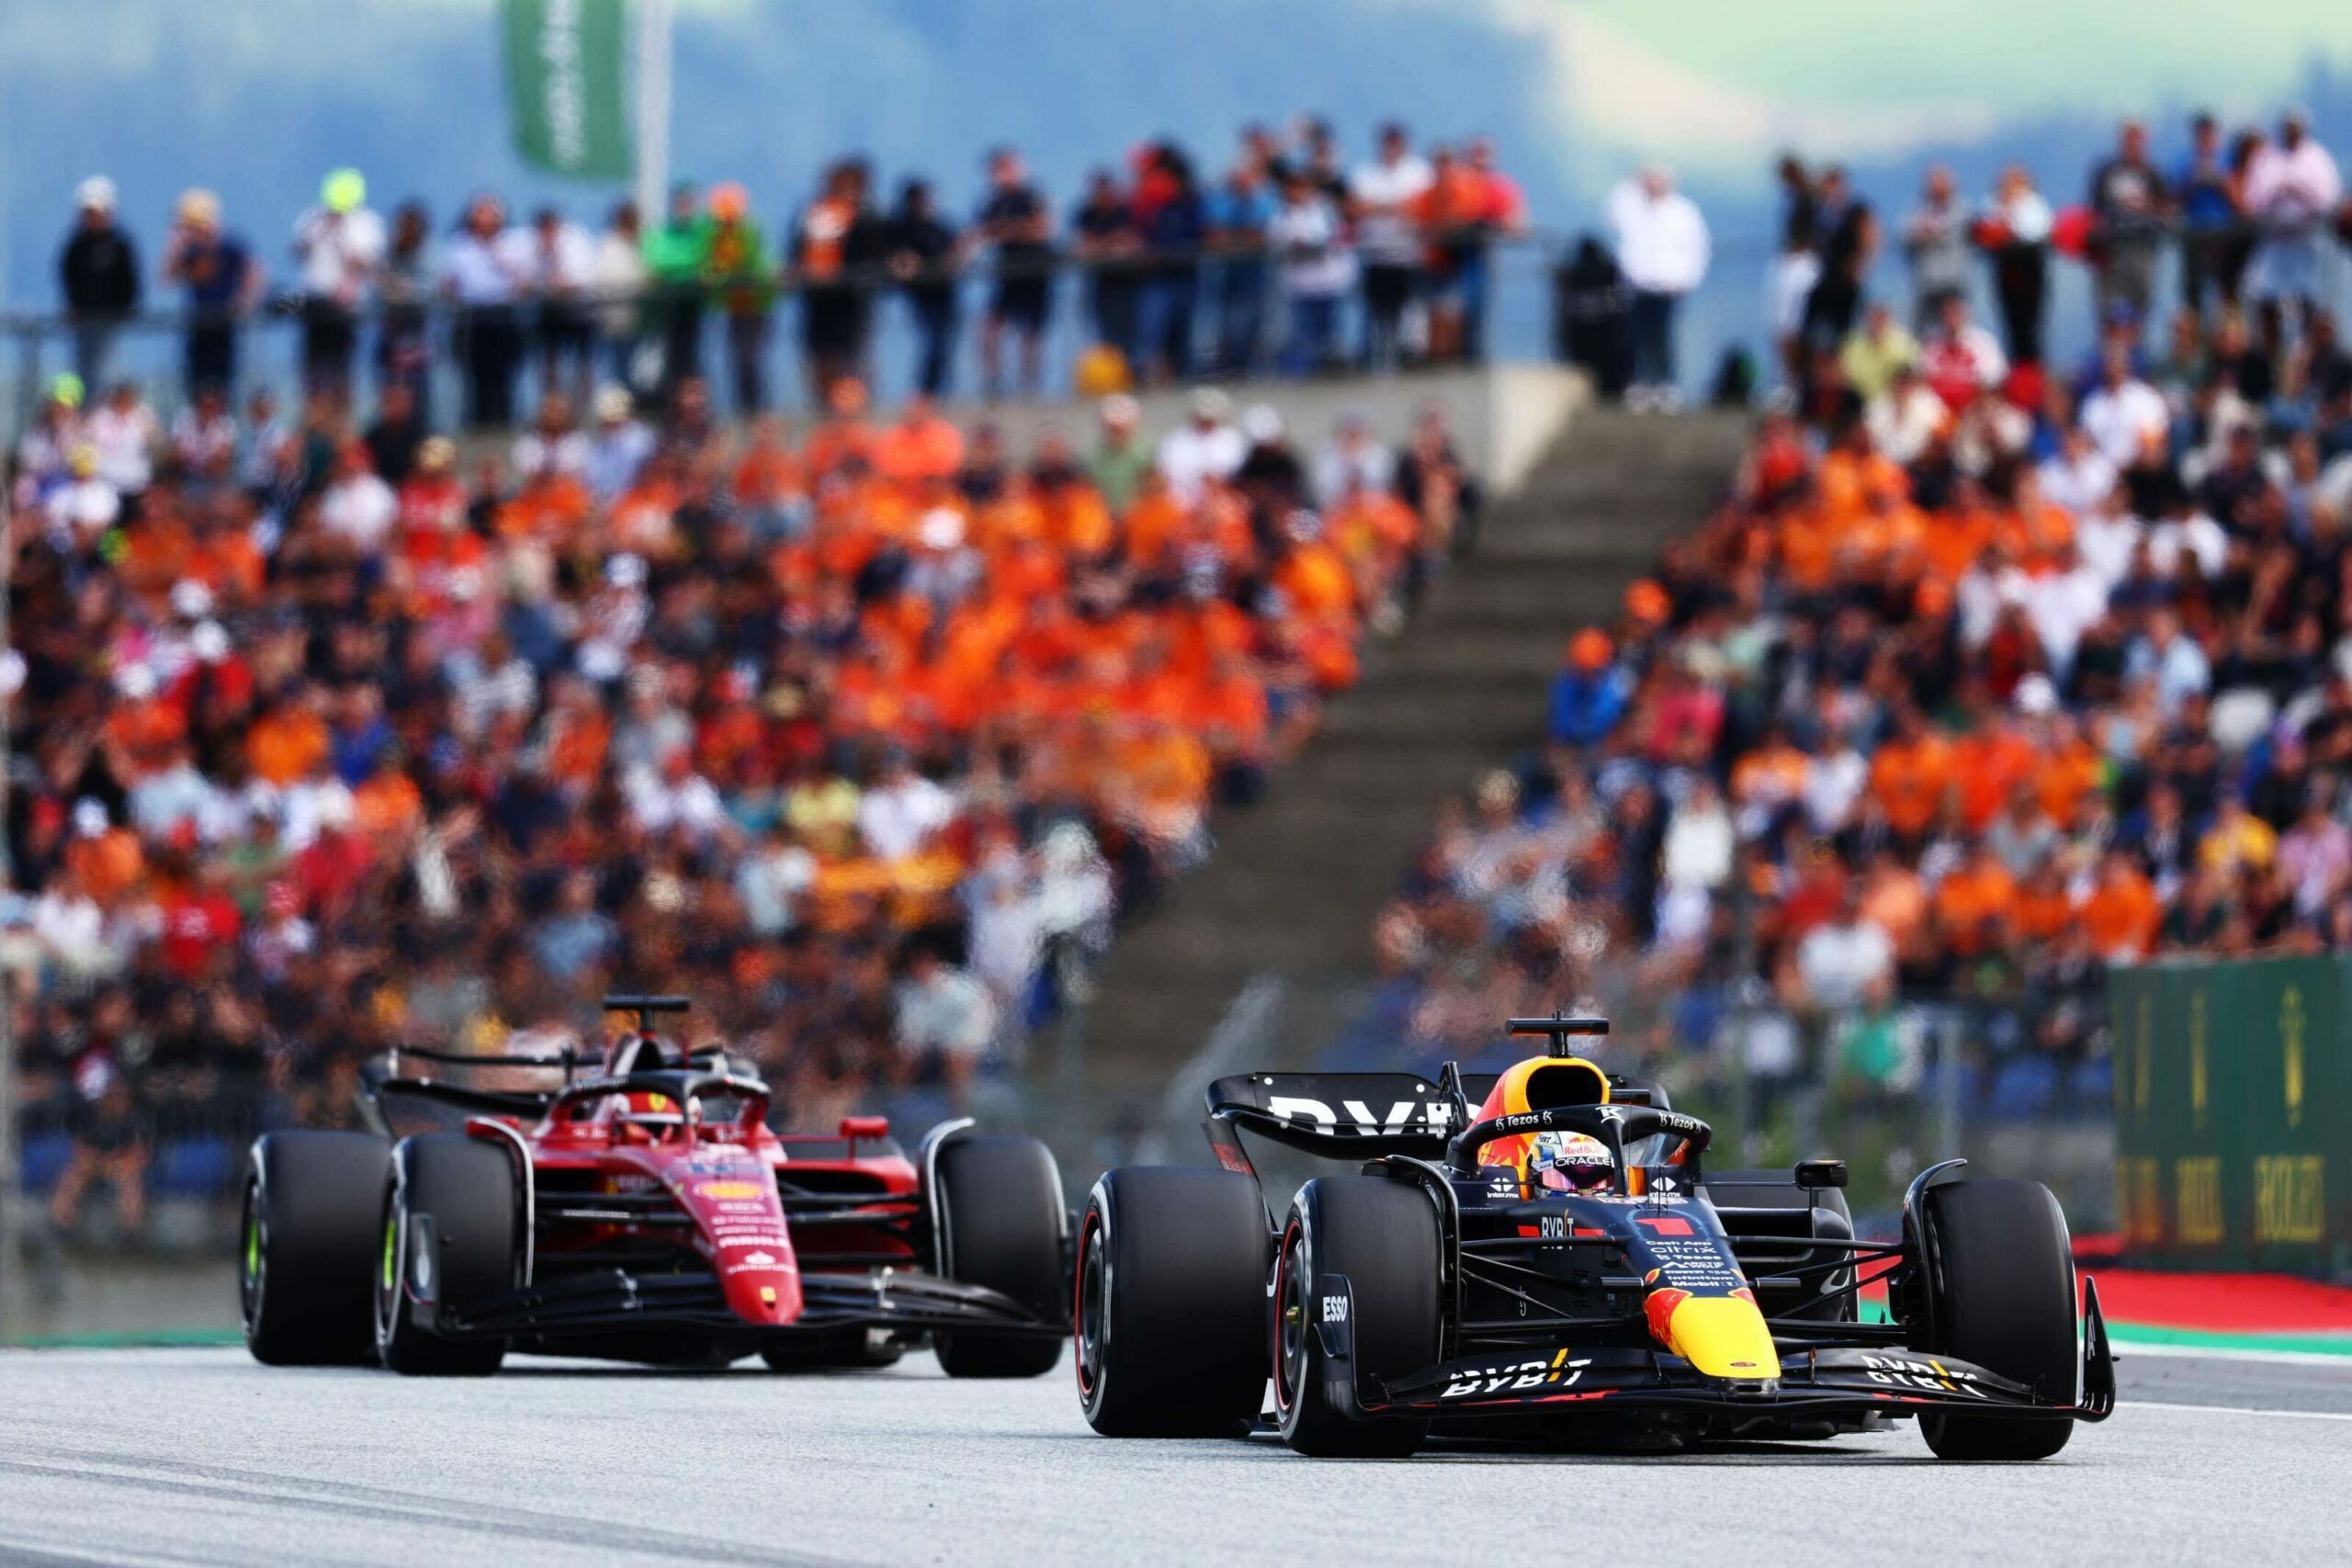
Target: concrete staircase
1295,880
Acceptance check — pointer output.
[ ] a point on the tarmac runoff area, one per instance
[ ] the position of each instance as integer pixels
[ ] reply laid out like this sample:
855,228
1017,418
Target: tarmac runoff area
199,1456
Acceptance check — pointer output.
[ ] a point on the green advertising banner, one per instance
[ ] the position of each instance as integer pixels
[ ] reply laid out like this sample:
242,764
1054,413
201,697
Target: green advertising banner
2234,1113
566,85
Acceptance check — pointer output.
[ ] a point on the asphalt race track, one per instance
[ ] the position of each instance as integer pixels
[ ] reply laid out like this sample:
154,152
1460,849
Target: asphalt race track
203,1457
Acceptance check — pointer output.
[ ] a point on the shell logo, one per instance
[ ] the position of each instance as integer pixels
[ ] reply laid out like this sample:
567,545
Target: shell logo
716,1189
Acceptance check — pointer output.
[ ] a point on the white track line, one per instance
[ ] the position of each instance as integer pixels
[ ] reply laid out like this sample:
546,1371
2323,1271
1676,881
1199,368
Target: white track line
2128,1404
2126,1348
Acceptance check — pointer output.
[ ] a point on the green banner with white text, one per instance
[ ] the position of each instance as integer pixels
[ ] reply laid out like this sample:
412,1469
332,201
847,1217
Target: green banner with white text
2234,1113
566,85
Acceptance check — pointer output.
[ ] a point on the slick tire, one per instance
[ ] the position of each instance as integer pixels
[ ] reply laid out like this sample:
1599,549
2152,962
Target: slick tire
467,1187
2000,1272
1384,1236
1170,1303
306,1247
1000,1217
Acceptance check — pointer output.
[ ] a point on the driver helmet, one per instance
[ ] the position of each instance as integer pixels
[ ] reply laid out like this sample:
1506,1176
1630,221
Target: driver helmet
1569,1162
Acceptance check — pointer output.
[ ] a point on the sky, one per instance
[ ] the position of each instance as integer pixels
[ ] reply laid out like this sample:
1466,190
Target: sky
256,98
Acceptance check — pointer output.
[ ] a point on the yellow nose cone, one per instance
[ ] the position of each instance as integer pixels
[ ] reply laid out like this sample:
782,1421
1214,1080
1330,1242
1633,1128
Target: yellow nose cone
1723,1336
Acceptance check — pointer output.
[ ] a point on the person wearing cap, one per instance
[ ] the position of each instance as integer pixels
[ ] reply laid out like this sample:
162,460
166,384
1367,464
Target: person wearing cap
339,245
1589,692
98,270
221,281
1205,447
740,275
2291,188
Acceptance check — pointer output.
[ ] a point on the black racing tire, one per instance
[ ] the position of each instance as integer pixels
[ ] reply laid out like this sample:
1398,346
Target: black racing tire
2000,1270
998,1213
1171,1302
470,1189
306,1247
1383,1235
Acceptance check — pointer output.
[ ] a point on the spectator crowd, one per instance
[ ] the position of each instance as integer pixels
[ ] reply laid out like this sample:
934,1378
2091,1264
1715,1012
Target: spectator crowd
1177,272
1990,671
328,737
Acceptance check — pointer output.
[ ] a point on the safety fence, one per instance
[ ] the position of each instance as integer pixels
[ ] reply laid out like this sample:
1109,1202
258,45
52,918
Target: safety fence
2234,1113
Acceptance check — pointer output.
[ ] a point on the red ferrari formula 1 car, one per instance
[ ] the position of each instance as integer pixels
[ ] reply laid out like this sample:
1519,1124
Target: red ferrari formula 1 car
1543,1253
639,1209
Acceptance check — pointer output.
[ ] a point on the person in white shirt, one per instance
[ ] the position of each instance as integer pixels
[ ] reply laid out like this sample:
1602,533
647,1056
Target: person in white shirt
1906,417
1381,196
901,810
2291,188
2079,477
484,271
1352,463
1847,960
2063,603
339,245
1663,250
555,441
616,277
2123,413
358,507
558,261
1310,239
1205,447
2107,533
124,430
1960,358
2183,529
84,507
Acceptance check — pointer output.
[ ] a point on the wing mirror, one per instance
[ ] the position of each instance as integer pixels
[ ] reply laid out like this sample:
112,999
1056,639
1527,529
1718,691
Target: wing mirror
1821,1173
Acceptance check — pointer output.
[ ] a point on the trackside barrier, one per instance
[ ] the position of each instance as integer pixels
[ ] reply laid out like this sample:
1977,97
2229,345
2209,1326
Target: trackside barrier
2234,1113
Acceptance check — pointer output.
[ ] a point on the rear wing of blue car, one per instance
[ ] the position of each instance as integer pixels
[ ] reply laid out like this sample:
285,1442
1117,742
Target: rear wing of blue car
1356,1115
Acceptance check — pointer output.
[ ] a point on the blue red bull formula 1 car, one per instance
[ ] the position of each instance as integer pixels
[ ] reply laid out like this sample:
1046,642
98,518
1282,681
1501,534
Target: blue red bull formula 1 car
638,1208
1543,1253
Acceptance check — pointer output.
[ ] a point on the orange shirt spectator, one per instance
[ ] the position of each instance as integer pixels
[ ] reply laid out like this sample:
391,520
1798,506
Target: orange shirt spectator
921,445
1988,764
1909,778
2122,912
287,744
1974,904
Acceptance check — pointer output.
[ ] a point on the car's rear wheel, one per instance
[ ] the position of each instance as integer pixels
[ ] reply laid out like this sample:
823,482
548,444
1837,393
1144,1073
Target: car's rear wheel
1383,1235
306,1247
2001,1284
997,1210
1169,1312
468,1189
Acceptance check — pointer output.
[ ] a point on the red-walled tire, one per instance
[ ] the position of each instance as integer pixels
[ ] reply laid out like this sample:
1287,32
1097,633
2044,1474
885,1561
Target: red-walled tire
1384,1236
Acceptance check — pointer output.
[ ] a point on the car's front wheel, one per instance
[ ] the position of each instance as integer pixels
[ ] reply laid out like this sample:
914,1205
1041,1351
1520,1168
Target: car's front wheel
1383,1236
2000,1283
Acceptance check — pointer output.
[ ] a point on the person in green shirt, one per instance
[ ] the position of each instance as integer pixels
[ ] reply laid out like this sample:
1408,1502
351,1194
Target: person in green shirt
677,256
741,274
1875,351
1121,459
